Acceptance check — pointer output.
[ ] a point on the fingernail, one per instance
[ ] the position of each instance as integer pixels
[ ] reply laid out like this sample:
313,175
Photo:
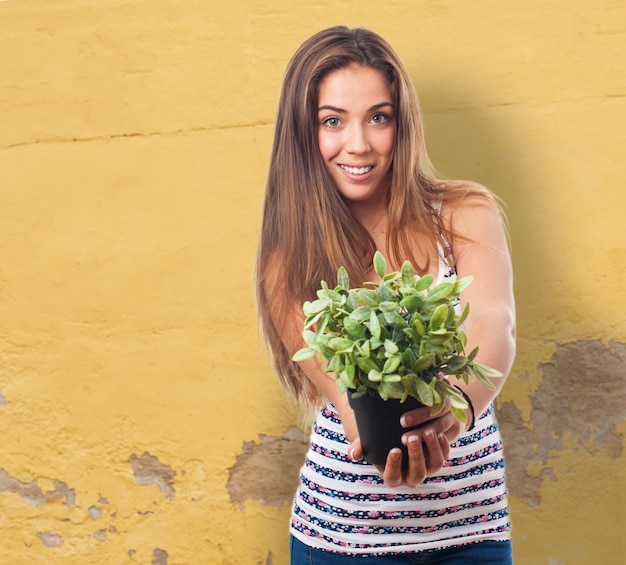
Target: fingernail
414,441
406,422
430,434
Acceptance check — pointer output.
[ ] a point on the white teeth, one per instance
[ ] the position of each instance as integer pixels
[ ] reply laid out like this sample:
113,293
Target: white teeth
356,170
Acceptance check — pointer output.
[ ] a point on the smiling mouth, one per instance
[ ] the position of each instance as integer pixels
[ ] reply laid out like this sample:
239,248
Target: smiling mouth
356,170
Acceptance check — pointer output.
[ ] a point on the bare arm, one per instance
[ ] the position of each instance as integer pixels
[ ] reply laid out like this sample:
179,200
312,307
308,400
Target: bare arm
491,322
481,251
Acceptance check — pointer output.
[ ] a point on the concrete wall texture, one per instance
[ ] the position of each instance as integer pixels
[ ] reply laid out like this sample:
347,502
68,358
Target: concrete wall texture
140,420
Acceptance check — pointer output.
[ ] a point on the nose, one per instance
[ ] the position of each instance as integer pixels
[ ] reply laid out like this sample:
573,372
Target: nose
356,139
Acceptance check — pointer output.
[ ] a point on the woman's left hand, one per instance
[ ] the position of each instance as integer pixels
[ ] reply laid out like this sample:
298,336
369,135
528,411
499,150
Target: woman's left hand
428,447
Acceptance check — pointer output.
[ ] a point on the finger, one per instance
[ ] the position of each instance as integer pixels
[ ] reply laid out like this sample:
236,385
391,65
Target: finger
355,451
415,417
416,472
434,452
444,442
393,468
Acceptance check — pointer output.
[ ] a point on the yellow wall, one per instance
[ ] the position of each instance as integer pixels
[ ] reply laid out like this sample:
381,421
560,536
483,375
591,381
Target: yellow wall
140,420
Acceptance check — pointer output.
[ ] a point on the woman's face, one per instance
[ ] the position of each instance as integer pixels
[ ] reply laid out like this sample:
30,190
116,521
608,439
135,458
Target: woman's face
356,132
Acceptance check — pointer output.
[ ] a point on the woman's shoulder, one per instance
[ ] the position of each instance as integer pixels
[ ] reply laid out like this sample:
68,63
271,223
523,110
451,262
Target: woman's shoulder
470,213
464,200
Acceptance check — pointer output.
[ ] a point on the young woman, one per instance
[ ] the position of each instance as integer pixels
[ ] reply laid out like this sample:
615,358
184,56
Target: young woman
349,175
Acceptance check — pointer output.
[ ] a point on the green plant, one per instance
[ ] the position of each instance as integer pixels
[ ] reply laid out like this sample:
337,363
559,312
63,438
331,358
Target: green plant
396,338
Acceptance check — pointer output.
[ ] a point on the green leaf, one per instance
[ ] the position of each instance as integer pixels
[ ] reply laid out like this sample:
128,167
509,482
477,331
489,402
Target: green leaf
355,329
380,266
459,414
394,319
473,353
412,302
309,337
424,282
388,390
408,358
374,325
417,323
423,362
331,294
310,308
366,364
458,401
342,278
412,335
364,348
462,284
424,392
408,274
464,314
327,352
361,314
388,306
385,293
438,406
442,290
488,371
439,317
375,343
336,364
303,354
312,320
392,364
392,378
375,376
455,364
440,336
391,277
366,297
390,347
480,375
340,344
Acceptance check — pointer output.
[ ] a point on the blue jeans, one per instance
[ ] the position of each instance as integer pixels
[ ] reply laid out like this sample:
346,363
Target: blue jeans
481,553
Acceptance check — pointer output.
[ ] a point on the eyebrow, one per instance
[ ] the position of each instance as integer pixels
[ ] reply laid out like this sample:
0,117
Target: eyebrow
342,111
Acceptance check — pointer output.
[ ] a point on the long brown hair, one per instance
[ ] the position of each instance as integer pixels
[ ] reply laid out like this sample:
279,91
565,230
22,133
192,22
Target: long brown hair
307,231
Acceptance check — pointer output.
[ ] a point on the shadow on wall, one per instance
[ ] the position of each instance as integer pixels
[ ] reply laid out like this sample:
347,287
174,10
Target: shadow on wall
472,139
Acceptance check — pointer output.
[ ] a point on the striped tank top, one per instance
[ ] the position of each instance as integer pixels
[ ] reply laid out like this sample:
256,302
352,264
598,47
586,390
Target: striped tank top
344,506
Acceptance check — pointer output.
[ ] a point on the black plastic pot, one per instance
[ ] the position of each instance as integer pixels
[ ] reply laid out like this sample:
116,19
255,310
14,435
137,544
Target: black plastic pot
378,422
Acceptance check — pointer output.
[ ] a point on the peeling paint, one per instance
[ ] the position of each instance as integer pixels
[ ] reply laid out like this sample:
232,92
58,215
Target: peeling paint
274,463
50,540
148,470
32,493
580,403
159,557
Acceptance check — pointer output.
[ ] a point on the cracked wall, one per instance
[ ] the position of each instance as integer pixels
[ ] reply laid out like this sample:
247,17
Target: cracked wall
140,420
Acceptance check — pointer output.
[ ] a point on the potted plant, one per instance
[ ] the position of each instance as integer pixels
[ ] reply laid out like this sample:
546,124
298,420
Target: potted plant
392,346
